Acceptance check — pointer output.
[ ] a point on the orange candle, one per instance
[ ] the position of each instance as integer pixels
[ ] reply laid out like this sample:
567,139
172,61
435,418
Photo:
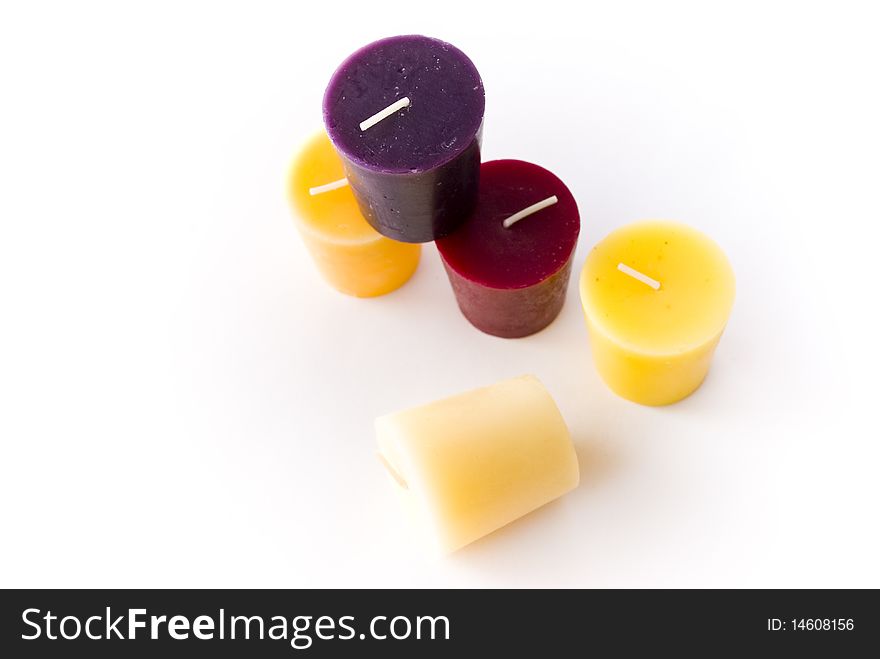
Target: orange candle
352,256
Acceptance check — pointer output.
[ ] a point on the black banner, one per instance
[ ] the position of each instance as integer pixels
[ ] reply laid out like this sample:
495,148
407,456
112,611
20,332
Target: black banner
398,623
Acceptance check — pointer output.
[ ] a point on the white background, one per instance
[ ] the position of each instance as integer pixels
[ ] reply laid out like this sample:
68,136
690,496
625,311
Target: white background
183,402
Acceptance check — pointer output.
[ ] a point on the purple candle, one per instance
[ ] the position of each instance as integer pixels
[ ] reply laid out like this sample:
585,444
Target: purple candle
406,116
509,263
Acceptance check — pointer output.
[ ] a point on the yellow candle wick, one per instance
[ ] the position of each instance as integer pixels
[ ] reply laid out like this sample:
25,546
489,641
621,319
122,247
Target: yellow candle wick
642,277
327,187
394,473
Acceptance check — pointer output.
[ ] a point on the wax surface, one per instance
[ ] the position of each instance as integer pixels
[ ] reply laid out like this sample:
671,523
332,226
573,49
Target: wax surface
415,173
470,464
349,253
655,346
511,282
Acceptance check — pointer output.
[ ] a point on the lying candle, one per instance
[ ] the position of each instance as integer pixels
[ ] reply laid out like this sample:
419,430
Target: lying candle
510,261
351,255
656,297
406,115
470,464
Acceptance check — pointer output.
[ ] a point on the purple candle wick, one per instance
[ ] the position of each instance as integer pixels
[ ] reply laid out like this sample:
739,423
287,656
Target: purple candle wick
384,114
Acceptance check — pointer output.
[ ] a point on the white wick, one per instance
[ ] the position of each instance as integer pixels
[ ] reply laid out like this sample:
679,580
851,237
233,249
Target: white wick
394,473
387,112
635,274
327,187
525,212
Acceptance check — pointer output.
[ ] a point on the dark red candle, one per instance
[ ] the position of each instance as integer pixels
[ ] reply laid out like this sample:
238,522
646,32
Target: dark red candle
511,281
415,170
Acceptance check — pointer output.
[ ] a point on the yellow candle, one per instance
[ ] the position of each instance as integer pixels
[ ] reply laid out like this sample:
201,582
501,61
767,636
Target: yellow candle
352,256
656,296
470,464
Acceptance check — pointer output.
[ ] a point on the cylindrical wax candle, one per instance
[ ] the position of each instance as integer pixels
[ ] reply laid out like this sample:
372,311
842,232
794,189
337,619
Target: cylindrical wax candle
349,253
657,296
414,169
510,281
472,463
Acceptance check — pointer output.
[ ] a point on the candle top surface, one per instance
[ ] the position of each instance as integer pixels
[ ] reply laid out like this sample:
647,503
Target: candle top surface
443,117
484,251
692,304
333,214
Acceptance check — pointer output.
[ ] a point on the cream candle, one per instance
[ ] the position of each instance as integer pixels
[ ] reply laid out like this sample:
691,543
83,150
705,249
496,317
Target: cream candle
656,296
469,464
352,256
